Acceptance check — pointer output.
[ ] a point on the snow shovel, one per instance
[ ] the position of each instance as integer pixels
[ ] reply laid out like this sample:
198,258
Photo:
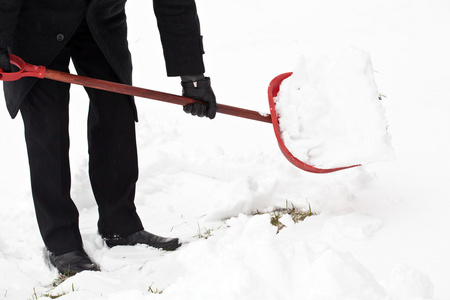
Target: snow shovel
28,70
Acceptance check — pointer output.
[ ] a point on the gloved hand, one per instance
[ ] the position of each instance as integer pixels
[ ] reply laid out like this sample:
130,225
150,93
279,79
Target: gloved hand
200,90
5,64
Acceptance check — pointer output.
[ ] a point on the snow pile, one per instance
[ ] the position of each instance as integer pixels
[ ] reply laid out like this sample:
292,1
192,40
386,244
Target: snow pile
250,261
330,114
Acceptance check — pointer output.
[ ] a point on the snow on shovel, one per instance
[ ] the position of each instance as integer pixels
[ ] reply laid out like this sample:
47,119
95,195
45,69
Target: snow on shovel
28,70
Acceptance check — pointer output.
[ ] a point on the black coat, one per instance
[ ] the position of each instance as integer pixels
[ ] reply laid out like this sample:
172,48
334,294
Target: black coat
37,30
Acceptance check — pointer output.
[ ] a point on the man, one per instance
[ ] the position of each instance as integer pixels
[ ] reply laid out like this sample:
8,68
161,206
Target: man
93,33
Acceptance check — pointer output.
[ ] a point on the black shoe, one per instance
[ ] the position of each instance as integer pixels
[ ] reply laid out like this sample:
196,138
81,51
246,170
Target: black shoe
146,238
72,263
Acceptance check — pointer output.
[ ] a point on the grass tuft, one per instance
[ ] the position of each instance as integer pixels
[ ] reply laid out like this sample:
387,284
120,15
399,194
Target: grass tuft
296,214
154,291
60,279
206,233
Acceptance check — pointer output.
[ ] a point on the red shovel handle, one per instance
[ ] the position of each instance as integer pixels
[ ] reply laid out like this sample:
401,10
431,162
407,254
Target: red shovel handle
25,70
28,70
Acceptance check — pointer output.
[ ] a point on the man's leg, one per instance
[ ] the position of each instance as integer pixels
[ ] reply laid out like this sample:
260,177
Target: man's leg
113,165
45,115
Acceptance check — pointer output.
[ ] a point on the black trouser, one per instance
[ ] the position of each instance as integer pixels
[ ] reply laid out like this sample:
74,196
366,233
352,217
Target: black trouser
113,168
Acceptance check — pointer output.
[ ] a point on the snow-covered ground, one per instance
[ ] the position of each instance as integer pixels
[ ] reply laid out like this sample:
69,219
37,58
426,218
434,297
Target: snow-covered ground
380,232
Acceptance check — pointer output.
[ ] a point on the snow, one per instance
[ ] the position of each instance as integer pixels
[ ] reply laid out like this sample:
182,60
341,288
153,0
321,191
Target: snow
330,113
380,231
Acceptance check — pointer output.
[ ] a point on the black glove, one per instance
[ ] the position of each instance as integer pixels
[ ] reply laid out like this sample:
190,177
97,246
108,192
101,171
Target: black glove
200,90
5,64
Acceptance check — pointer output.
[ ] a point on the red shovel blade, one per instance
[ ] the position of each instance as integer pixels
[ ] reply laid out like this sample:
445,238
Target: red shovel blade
273,90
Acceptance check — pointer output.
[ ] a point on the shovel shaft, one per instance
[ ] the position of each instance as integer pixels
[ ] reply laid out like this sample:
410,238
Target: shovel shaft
29,70
150,94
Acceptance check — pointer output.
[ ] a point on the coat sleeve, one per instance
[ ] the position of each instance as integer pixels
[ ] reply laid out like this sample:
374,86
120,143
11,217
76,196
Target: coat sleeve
9,11
181,40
